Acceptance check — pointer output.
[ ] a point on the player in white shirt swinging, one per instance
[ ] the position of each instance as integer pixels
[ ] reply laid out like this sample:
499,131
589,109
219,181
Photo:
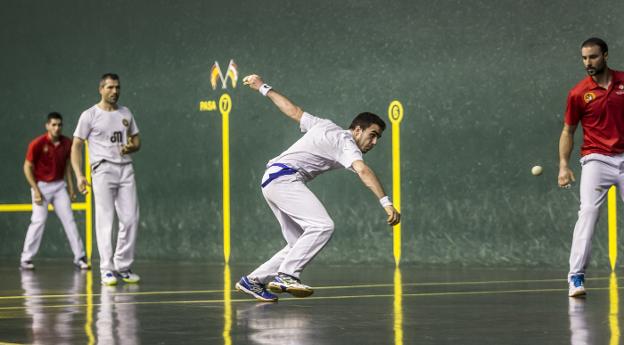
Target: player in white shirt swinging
305,224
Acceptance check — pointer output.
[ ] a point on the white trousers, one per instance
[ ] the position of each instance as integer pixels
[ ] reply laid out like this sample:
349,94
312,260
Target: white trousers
54,192
114,190
305,224
599,173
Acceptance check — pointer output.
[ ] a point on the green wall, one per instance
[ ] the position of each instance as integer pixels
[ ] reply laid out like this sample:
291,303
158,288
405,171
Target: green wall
483,84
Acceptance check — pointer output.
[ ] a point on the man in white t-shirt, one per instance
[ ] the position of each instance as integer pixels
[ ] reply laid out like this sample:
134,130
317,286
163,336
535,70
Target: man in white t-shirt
113,135
305,224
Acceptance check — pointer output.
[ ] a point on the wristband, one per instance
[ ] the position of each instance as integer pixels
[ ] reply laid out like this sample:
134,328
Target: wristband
385,201
264,89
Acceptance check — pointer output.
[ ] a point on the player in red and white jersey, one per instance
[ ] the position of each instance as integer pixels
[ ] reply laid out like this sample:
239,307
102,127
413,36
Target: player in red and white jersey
597,102
49,177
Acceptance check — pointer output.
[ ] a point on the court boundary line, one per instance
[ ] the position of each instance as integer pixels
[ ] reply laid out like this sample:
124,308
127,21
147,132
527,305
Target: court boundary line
290,299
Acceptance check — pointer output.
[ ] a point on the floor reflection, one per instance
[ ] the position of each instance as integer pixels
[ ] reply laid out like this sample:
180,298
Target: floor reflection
582,330
267,323
580,333
614,310
88,327
398,307
227,305
52,325
116,320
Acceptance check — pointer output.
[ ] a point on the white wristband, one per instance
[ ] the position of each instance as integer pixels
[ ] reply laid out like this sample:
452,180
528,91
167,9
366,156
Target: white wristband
264,89
385,201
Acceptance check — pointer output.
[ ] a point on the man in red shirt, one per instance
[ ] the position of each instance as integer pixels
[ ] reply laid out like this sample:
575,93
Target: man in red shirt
46,170
598,103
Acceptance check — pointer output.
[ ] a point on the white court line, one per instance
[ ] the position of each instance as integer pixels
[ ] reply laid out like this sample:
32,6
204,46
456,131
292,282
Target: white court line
344,297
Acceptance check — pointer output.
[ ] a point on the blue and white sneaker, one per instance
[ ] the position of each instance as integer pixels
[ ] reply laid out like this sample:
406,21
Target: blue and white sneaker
255,289
287,283
577,285
108,278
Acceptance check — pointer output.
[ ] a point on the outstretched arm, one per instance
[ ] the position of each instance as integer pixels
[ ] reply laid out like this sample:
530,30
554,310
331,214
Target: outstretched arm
284,104
566,143
368,177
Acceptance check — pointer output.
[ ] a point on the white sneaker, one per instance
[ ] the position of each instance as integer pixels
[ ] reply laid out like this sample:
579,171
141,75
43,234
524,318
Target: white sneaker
108,278
286,283
27,265
129,277
82,264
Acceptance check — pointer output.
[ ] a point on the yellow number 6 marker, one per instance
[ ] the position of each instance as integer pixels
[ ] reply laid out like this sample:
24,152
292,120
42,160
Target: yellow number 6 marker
395,113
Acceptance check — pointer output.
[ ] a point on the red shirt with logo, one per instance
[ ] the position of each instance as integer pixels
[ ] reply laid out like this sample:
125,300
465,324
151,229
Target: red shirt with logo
601,113
49,160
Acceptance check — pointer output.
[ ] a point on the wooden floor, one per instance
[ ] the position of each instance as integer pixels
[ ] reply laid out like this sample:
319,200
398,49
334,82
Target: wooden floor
189,303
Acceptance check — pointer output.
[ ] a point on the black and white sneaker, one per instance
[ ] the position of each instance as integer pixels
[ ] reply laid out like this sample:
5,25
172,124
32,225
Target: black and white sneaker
27,265
82,264
129,277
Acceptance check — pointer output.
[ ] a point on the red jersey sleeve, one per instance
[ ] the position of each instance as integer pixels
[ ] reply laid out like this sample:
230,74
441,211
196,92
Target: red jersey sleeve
574,110
33,151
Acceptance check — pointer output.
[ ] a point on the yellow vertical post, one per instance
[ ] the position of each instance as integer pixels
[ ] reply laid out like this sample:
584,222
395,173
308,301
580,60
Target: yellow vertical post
612,206
614,310
225,106
227,306
395,113
88,208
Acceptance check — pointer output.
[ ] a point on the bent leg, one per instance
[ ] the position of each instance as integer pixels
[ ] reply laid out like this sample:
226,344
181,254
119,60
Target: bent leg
298,204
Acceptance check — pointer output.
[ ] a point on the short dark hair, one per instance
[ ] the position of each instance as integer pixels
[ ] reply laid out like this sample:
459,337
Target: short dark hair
54,115
107,76
595,41
365,119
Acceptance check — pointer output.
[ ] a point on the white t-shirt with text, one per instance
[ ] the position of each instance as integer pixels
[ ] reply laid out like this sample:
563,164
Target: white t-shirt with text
106,133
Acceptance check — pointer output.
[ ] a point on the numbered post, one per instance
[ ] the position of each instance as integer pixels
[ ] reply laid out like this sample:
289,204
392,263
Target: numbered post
395,113
225,106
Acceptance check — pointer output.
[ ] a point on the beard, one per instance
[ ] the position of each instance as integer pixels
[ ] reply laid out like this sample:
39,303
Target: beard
593,71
